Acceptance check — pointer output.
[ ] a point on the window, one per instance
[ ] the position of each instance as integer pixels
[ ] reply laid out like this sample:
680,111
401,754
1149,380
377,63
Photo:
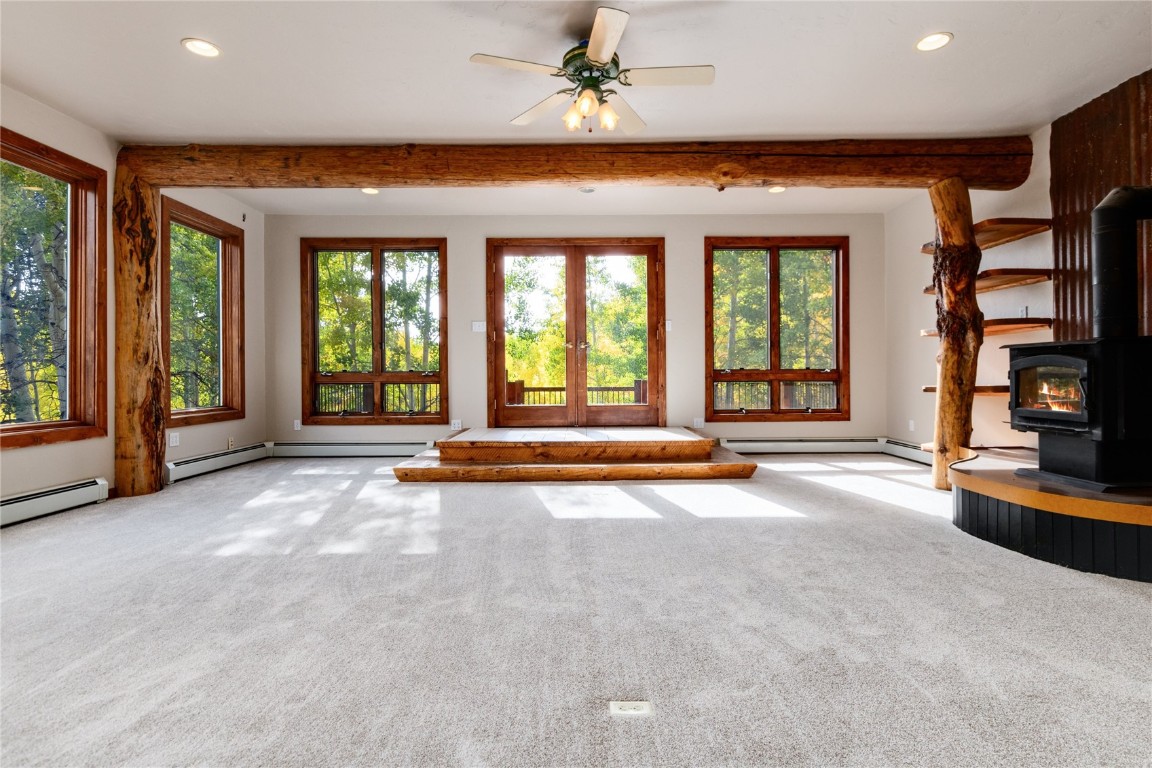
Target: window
777,326
203,279
374,340
53,343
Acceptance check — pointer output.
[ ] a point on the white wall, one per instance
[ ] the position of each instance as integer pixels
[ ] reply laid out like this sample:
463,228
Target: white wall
207,438
25,469
912,358
467,367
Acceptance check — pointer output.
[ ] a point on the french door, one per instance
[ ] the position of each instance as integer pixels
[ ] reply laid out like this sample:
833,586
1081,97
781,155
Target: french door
576,332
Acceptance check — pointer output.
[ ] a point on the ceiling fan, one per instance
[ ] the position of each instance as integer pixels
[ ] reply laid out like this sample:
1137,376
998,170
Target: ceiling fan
593,69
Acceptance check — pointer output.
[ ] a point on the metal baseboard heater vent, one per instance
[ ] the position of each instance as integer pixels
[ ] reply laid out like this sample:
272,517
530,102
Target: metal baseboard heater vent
803,445
26,506
904,450
320,450
210,462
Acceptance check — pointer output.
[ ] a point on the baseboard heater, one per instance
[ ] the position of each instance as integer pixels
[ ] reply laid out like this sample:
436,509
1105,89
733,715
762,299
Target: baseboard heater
803,445
904,450
210,462
828,445
320,450
26,506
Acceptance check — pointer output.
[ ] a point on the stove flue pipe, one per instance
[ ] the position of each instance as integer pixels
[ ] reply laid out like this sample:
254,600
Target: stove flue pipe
1115,272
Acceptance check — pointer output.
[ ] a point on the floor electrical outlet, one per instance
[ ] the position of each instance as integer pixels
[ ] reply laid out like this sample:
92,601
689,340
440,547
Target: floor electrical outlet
630,708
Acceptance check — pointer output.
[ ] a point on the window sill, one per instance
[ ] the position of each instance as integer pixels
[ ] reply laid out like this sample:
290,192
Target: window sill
202,416
25,435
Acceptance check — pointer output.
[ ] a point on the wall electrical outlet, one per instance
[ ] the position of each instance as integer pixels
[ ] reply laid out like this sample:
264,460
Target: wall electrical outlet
296,425
630,708
231,443
173,439
697,423
911,425
456,424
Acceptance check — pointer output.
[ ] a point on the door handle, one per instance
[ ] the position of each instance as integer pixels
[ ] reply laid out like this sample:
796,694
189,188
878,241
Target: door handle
568,344
584,345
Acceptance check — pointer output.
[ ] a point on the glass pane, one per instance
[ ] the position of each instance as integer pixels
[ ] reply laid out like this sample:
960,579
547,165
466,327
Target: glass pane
534,332
411,311
34,318
343,311
802,395
740,309
617,329
807,337
194,340
1051,388
343,399
412,399
741,395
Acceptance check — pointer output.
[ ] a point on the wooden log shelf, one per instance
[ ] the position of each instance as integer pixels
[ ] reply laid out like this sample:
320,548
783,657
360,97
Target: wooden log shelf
1001,325
979,390
1106,533
993,232
1000,278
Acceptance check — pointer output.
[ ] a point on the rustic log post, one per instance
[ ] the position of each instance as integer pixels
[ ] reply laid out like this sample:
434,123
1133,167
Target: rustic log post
139,355
959,321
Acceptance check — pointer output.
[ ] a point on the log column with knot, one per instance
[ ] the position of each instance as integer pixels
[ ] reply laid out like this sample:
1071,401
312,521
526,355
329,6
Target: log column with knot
960,323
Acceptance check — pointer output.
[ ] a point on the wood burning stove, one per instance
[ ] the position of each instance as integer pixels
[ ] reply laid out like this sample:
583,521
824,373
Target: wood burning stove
1090,401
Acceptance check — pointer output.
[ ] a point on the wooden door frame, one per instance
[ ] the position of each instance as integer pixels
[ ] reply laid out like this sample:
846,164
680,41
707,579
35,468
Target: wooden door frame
656,313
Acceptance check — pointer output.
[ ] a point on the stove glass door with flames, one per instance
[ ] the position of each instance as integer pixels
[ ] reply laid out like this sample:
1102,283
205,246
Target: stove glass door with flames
1050,387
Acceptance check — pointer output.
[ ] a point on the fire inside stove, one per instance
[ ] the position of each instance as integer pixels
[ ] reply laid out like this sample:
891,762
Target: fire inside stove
1051,388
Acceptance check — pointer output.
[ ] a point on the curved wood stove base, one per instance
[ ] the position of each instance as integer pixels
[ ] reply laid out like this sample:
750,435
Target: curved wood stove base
1059,523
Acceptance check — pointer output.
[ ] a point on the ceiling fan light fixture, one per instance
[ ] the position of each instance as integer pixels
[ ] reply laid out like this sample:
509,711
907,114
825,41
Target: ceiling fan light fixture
572,119
608,117
587,103
934,42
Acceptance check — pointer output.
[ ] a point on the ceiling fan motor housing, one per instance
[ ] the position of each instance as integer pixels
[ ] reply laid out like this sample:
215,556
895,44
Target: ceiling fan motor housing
587,74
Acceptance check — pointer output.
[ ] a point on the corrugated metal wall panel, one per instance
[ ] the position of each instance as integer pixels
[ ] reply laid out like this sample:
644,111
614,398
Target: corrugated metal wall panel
1102,145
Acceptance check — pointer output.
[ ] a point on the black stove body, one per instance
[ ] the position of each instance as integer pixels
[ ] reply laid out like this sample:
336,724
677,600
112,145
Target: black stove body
1090,401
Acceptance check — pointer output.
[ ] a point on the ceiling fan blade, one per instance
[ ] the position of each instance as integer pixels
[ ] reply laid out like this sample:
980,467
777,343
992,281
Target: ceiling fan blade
527,66
606,32
701,75
630,122
540,109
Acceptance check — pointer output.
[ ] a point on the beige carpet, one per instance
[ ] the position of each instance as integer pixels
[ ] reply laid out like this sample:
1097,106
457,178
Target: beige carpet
300,612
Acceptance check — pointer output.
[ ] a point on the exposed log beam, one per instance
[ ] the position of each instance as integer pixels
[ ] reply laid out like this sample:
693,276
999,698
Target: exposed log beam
139,463
991,163
960,323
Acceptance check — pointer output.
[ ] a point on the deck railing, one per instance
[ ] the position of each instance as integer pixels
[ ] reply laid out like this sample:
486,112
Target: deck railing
518,394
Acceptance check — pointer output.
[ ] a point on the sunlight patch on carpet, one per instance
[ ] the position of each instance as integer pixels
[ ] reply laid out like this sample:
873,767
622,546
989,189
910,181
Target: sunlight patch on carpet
719,501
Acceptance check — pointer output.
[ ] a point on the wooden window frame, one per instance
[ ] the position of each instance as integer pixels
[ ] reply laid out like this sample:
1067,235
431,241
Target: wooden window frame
87,295
231,240
378,377
774,375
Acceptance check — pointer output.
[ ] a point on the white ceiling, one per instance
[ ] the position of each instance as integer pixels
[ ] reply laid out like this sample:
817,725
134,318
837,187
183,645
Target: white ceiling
395,72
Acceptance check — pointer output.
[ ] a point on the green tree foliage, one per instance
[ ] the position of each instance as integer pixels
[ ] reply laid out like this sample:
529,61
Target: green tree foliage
195,372
411,310
33,295
806,304
344,309
616,293
534,320
411,326
740,308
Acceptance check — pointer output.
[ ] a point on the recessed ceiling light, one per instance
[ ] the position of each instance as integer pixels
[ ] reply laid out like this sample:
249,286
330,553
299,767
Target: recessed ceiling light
200,47
934,41
370,191
776,190
587,190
